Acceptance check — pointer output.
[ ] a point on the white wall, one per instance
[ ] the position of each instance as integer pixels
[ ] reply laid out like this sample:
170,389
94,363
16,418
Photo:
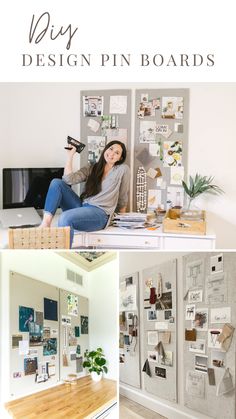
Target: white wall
103,294
131,262
37,117
99,286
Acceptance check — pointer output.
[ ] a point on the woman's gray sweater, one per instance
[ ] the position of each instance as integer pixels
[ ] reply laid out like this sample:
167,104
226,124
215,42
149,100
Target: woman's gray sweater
114,191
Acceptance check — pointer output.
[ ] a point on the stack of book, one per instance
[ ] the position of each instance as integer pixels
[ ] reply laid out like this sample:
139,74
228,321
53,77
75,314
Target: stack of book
130,220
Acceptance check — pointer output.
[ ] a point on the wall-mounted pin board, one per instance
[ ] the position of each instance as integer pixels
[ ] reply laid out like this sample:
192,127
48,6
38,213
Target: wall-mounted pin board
129,335
161,147
74,332
209,303
49,332
159,323
28,324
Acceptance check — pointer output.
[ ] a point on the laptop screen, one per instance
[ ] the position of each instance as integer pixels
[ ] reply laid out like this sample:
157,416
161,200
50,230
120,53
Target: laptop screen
28,187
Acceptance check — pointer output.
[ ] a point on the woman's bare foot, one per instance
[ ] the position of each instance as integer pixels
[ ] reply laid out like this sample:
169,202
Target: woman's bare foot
47,220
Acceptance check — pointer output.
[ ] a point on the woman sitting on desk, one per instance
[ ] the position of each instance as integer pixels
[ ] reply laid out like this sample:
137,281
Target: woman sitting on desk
106,188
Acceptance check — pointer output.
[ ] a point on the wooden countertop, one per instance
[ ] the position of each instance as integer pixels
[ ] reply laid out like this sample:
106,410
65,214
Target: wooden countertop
82,400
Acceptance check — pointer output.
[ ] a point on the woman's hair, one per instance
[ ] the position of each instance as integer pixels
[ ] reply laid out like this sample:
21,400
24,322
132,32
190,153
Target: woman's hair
94,181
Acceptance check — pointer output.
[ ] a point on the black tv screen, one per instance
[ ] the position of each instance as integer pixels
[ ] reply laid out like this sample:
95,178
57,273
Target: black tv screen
28,187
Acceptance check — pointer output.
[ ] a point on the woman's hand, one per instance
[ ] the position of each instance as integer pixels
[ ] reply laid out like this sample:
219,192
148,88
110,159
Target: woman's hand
69,161
71,153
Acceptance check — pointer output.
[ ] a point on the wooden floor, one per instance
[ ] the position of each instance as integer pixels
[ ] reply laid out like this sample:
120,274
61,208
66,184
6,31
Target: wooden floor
132,410
82,400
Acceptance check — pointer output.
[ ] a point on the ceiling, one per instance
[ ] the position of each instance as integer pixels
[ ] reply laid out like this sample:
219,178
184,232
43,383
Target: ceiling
88,260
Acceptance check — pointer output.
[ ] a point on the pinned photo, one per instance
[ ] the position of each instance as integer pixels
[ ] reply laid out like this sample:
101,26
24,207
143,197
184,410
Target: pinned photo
92,106
172,153
176,175
172,107
190,312
160,372
144,97
198,345
96,145
151,315
220,315
201,362
179,128
154,149
217,263
152,338
147,132
218,359
201,319
213,336
152,356
154,198
167,360
195,296
156,103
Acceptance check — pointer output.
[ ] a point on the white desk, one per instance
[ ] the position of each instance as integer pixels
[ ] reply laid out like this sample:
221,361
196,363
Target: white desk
118,238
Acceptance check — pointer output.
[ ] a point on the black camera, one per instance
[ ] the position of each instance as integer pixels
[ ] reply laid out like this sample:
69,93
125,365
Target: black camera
75,143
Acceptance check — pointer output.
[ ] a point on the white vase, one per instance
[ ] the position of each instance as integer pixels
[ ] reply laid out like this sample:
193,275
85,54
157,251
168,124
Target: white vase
96,377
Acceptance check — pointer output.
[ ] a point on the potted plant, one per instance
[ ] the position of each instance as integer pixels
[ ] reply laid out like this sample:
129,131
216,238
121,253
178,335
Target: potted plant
95,361
199,185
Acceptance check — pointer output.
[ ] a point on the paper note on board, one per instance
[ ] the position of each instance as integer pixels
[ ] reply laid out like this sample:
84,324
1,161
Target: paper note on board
118,104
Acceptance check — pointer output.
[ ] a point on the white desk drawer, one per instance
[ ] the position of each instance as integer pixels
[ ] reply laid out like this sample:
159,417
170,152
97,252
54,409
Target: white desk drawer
78,241
188,243
103,240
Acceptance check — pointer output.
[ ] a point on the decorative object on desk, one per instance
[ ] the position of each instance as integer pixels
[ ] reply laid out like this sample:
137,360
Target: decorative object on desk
141,190
176,222
130,220
71,379
160,214
199,185
95,361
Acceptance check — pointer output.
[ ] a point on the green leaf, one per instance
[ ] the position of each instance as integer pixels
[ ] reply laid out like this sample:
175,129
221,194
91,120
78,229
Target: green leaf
199,185
86,364
92,354
100,361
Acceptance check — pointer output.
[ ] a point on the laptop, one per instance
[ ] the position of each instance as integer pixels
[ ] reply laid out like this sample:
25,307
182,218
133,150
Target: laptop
19,217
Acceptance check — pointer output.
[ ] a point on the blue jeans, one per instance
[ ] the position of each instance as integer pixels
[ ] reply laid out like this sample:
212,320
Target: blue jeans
76,214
